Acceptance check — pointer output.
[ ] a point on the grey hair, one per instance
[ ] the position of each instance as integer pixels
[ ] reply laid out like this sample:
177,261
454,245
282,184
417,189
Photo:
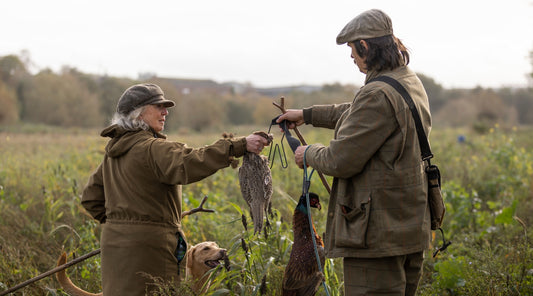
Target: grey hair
130,121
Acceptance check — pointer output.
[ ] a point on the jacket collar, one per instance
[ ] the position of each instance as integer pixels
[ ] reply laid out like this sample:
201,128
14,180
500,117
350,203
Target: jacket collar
122,140
373,74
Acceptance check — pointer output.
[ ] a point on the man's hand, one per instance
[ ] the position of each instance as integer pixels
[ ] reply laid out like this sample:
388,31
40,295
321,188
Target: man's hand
299,156
294,117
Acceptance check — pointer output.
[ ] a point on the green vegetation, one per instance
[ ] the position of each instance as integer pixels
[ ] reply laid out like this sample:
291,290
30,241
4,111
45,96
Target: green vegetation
49,145
487,185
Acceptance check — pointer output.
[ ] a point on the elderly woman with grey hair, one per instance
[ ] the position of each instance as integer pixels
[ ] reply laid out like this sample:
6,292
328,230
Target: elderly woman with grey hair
135,193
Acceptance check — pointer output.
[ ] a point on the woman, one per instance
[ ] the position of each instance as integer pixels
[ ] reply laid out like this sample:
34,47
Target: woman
378,216
136,191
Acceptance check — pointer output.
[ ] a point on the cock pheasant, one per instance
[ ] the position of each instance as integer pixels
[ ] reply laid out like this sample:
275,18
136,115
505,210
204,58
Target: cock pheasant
302,276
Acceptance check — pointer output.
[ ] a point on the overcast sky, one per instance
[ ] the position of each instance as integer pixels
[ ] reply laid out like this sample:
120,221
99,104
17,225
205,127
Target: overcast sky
459,43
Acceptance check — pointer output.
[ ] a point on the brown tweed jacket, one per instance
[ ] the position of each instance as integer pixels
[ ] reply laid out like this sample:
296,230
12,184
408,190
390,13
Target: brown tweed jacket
378,204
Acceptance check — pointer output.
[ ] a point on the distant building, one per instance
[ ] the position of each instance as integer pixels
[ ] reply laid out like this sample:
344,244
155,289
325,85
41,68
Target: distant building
188,86
276,91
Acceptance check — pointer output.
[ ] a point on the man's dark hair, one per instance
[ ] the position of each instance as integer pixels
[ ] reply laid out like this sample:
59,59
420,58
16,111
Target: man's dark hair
384,53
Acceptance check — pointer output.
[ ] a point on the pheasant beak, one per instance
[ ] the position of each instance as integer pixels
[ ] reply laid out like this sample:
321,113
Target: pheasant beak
319,207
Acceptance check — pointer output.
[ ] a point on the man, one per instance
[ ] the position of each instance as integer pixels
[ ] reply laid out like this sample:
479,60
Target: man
378,216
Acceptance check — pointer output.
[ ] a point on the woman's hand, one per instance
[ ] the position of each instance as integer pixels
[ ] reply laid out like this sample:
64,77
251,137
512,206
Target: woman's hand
257,141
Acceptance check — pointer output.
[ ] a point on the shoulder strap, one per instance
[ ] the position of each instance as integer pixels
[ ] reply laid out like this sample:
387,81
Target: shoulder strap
422,139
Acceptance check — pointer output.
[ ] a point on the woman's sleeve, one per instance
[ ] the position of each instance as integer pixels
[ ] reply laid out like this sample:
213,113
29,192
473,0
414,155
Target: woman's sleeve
93,197
176,163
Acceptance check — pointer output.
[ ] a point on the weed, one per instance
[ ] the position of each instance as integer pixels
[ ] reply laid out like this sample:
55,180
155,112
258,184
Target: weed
486,184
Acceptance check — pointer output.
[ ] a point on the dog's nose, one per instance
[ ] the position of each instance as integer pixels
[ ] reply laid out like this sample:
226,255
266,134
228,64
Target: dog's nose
223,252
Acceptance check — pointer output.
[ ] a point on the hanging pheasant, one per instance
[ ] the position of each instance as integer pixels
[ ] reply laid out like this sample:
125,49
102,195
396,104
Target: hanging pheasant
302,276
256,185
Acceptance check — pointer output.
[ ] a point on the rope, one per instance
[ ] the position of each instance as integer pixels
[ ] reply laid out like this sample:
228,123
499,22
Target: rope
306,185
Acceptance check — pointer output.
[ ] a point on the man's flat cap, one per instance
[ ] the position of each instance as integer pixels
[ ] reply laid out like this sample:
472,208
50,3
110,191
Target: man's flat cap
369,24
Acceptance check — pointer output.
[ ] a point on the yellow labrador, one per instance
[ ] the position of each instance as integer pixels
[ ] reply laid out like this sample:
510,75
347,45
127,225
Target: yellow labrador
200,259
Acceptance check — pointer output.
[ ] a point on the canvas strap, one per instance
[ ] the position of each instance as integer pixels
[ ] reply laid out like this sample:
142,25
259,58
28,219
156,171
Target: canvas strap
422,139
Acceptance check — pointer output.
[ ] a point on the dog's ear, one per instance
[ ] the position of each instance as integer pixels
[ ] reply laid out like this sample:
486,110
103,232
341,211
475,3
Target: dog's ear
190,256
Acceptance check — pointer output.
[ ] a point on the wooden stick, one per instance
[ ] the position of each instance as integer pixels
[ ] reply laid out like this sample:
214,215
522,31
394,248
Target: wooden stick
89,255
198,209
50,272
281,106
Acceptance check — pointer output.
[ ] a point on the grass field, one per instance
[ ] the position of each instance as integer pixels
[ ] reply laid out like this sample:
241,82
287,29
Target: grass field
487,185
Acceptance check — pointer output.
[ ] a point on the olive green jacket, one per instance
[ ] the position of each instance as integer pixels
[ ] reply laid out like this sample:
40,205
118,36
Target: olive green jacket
136,194
141,175
378,204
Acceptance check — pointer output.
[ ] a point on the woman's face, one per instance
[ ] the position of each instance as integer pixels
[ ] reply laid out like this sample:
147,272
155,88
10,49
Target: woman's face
154,116
358,60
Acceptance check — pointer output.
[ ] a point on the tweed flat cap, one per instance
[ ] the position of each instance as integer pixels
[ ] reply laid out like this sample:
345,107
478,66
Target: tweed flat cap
369,24
139,95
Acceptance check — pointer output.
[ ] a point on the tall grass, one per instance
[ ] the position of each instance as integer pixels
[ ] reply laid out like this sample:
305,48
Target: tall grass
486,183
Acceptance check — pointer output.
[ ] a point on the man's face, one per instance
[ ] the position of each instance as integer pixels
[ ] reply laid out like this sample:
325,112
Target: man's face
358,60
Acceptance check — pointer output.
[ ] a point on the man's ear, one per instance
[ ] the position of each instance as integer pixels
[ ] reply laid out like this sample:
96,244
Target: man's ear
364,44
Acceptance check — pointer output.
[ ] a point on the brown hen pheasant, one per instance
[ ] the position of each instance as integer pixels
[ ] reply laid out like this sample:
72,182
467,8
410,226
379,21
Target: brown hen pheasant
255,180
302,276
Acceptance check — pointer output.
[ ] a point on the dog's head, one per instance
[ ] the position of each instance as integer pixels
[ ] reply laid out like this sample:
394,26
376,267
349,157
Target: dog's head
203,257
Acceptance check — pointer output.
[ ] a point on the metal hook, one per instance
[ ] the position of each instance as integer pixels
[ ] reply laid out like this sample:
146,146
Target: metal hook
282,157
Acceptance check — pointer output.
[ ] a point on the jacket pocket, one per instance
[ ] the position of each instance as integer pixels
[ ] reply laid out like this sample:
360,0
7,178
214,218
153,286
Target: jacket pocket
352,224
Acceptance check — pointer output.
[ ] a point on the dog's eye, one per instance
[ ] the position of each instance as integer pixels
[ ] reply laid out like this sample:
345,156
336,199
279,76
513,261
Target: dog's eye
206,248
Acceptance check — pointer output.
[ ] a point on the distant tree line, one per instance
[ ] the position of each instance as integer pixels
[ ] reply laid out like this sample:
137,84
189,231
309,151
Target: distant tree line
75,99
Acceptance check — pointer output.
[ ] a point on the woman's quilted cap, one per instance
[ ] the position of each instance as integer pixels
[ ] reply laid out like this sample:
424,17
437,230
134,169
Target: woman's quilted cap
142,94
